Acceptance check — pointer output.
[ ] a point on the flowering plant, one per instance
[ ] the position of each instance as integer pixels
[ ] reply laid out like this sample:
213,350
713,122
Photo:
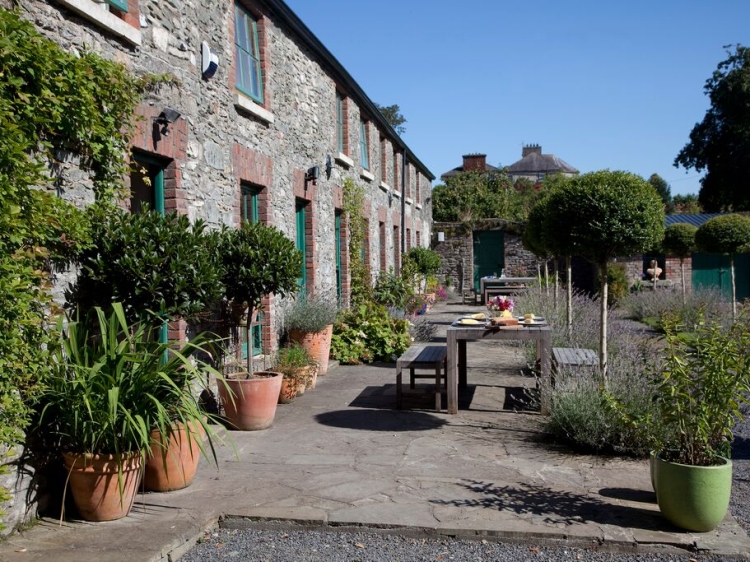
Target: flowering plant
500,303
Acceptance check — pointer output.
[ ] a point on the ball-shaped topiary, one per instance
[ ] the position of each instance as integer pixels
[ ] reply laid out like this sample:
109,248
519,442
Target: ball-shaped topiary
725,234
679,240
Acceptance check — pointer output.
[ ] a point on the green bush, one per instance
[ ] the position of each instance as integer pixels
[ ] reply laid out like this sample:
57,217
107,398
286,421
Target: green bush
391,290
654,307
617,279
369,333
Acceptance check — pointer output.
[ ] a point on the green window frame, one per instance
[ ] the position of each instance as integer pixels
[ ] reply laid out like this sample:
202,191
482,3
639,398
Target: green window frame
250,213
121,5
154,170
364,145
340,123
248,71
301,243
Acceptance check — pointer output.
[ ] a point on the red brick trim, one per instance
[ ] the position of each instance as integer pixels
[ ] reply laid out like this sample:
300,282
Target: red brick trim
383,246
253,167
149,138
396,164
346,278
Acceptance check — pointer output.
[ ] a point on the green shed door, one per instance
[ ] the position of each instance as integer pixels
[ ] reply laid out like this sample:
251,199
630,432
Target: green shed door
712,270
489,254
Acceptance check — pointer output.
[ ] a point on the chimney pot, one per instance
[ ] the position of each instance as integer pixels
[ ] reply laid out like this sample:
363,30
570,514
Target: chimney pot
475,162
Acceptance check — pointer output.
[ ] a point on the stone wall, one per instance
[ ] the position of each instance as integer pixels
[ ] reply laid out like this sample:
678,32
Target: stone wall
457,250
223,138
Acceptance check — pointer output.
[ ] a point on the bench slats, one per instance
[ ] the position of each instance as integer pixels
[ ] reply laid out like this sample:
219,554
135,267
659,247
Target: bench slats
433,356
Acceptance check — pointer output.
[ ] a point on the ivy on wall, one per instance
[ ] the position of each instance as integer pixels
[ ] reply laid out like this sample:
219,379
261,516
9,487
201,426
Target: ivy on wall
52,102
353,207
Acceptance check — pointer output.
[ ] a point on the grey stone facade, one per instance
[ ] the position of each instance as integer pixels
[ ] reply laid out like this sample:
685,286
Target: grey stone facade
224,138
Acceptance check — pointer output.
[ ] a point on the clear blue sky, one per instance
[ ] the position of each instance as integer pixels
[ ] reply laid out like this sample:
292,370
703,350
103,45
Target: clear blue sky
615,85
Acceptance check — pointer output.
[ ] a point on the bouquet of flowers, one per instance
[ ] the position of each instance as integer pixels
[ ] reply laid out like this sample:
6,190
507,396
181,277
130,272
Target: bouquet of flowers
501,304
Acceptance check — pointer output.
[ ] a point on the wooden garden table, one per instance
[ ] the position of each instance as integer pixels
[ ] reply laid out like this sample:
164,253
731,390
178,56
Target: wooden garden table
458,335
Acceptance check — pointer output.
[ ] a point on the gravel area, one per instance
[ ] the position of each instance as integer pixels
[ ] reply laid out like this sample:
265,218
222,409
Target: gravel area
740,503
330,546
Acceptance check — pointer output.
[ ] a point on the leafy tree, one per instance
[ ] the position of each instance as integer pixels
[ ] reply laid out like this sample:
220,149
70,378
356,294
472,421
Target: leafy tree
420,263
392,114
728,235
720,143
662,188
602,215
686,204
679,240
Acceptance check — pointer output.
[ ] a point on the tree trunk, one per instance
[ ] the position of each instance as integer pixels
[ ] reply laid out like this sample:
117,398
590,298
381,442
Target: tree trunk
569,273
603,328
682,276
557,282
734,288
249,339
546,276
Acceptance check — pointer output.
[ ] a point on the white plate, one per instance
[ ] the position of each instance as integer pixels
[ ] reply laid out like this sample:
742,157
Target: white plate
470,322
533,323
479,316
535,319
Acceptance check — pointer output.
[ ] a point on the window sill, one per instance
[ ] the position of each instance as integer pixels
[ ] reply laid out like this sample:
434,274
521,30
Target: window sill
384,186
418,207
409,201
104,19
397,194
246,105
344,160
367,176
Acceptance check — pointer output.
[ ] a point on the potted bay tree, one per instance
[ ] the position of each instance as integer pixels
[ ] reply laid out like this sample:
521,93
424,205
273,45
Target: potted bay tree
256,260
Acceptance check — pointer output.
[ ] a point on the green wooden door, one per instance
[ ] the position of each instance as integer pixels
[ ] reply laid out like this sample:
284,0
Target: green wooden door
713,270
301,245
489,254
250,213
337,236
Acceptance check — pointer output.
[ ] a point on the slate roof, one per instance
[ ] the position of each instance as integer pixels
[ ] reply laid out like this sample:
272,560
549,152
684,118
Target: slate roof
459,169
695,220
535,163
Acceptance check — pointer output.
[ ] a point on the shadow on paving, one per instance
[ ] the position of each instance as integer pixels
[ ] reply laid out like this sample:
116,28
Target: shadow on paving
380,420
558,506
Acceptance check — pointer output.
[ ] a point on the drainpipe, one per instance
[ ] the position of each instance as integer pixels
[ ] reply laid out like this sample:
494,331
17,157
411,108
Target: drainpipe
403,205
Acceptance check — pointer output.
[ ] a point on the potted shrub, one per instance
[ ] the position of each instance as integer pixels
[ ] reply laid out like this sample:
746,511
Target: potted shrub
110,384
299,371
703,383
309,321
257,260
160,268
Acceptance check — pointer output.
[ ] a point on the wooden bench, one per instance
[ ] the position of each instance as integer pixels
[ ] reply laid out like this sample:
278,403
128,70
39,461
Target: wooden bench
422,356
572,359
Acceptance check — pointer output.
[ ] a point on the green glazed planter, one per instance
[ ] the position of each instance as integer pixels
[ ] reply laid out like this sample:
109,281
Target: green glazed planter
695,498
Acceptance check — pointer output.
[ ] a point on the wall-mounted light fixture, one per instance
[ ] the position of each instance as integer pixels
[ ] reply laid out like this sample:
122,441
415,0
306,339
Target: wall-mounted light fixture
166,118
441,236
209,61
390,198
312,175
329,166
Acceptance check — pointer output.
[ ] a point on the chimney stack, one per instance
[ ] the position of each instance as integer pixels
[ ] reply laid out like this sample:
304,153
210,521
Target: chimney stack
531,149
475,162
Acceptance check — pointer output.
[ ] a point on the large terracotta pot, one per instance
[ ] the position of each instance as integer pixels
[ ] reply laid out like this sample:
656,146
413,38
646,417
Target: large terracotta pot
174,458
252,402
695,498
317,344
99,492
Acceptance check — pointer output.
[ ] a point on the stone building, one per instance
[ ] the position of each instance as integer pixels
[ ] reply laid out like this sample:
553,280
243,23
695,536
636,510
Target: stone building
263,114
534,165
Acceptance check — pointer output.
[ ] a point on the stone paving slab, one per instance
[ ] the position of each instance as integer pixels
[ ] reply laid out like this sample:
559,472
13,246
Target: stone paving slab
342,455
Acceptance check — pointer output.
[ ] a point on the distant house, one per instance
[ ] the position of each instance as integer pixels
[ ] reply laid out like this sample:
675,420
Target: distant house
534,165
472,163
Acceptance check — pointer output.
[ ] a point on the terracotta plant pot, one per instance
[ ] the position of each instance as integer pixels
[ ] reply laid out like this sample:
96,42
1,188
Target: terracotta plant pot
252,402
98,491
288,391
317,344
174,459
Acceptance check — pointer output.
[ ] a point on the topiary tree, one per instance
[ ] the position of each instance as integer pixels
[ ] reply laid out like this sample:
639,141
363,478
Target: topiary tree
679,240
159,267
257,260
728,235
602,215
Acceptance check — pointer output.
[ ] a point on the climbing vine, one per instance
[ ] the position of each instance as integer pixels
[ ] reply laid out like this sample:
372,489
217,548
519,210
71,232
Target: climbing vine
55,107
353,207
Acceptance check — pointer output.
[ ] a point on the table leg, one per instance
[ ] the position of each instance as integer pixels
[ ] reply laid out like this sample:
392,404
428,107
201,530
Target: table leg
399,391
437,387
462,379
451,377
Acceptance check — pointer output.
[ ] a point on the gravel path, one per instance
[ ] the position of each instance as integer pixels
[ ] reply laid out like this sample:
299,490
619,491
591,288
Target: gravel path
740,504
329,546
